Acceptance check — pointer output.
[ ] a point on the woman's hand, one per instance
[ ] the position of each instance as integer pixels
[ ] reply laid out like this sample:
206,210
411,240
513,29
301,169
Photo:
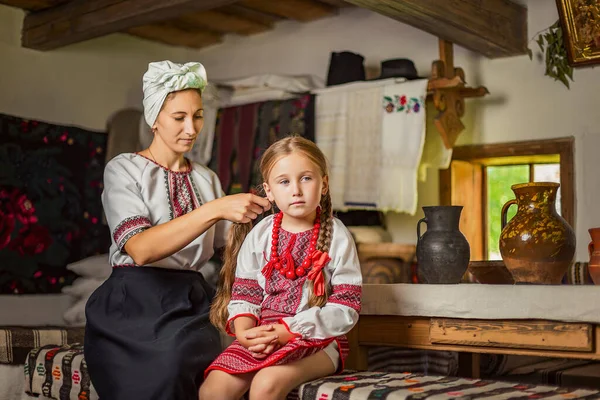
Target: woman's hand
243,207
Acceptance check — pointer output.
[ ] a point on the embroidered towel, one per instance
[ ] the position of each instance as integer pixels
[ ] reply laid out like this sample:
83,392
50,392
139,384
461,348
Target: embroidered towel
331,131
333,121
402,138
363,149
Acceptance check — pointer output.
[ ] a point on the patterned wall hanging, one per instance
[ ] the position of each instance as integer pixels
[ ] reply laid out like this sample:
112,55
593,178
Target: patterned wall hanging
50,206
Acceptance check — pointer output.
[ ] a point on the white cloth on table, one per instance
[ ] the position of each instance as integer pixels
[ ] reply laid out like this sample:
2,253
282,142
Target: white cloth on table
571,303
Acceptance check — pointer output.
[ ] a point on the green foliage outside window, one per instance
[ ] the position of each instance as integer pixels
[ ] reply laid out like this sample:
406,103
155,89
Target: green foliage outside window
499,181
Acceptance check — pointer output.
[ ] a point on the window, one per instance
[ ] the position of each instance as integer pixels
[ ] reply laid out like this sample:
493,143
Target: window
480,179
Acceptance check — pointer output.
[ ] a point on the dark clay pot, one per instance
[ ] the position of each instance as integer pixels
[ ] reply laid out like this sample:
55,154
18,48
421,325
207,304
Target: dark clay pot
443,252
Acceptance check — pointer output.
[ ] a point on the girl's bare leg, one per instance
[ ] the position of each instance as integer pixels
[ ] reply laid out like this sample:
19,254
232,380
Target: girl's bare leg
220,385
274,383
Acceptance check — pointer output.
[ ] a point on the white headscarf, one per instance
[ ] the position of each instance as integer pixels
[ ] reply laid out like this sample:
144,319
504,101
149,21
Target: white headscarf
164,77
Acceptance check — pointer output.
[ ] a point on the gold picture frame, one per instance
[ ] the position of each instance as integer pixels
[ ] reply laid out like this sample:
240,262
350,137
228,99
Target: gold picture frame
580,21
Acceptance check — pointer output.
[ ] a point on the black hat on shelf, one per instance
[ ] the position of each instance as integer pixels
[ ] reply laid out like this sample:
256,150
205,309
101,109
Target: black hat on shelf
345,67
398,68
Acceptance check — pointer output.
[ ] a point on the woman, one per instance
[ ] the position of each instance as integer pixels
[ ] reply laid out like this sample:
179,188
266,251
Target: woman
148,334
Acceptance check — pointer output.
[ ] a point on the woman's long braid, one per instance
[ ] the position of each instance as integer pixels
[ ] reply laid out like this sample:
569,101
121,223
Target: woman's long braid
323,244
218,309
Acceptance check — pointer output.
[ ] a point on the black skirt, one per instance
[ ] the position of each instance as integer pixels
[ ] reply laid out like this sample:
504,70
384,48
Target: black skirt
148,335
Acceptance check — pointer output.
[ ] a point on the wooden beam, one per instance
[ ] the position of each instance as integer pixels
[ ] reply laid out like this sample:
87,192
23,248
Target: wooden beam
337,3
494,28
81,20
525,334
414,333
224,23
249,14
169,34
33,5
299,10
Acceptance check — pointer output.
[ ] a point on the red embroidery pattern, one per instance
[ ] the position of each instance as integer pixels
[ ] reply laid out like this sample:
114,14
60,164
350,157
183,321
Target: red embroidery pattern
236,359
247,290
347,295
182,198
285,294
129,227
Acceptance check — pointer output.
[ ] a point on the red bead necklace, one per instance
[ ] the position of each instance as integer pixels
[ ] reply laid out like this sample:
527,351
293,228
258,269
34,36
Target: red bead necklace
285,264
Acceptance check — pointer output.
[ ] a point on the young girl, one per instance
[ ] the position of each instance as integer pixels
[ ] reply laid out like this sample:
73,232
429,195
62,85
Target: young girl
291,291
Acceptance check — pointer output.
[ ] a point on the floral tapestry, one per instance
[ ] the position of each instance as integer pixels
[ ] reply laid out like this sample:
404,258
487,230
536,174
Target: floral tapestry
50,207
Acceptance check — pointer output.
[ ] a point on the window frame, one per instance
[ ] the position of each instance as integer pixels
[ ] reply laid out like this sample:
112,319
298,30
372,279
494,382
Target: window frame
489,154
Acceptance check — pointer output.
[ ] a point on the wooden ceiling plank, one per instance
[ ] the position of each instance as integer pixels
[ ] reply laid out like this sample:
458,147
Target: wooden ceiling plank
81,20
494,28
299,10
337,3
224,23
252,15
33,5
171,35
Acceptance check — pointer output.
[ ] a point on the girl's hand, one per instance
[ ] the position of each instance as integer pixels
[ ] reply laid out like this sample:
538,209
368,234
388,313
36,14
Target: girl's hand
257,336
261,349
243,207
279,330
284,336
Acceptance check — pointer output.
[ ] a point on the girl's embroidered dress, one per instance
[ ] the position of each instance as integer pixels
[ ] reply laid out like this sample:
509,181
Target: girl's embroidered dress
282,300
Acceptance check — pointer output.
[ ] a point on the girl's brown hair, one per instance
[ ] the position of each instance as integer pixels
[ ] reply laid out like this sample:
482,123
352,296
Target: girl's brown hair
238,232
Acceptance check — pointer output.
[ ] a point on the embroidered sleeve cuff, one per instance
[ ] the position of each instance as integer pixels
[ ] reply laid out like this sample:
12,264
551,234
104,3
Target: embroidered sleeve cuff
229,328
239,309
128,228
293,327
296,335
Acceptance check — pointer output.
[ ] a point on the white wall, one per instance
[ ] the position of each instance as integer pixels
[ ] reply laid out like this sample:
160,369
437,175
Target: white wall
78,85
83,84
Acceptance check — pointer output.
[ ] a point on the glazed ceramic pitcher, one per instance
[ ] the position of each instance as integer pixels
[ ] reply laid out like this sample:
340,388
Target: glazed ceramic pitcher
537,245
594,250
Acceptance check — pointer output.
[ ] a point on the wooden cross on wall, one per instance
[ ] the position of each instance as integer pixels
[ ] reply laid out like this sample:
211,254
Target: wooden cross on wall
447,87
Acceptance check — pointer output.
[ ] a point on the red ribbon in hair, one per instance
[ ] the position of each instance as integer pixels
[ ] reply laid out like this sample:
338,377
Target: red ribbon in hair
319,261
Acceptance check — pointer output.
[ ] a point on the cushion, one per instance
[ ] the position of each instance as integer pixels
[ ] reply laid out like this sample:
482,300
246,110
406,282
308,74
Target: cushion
83,287
58,373
92,267
400,386
16,342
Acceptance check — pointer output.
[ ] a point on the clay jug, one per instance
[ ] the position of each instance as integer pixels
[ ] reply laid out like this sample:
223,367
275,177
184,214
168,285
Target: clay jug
594,250
537,245
443,252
